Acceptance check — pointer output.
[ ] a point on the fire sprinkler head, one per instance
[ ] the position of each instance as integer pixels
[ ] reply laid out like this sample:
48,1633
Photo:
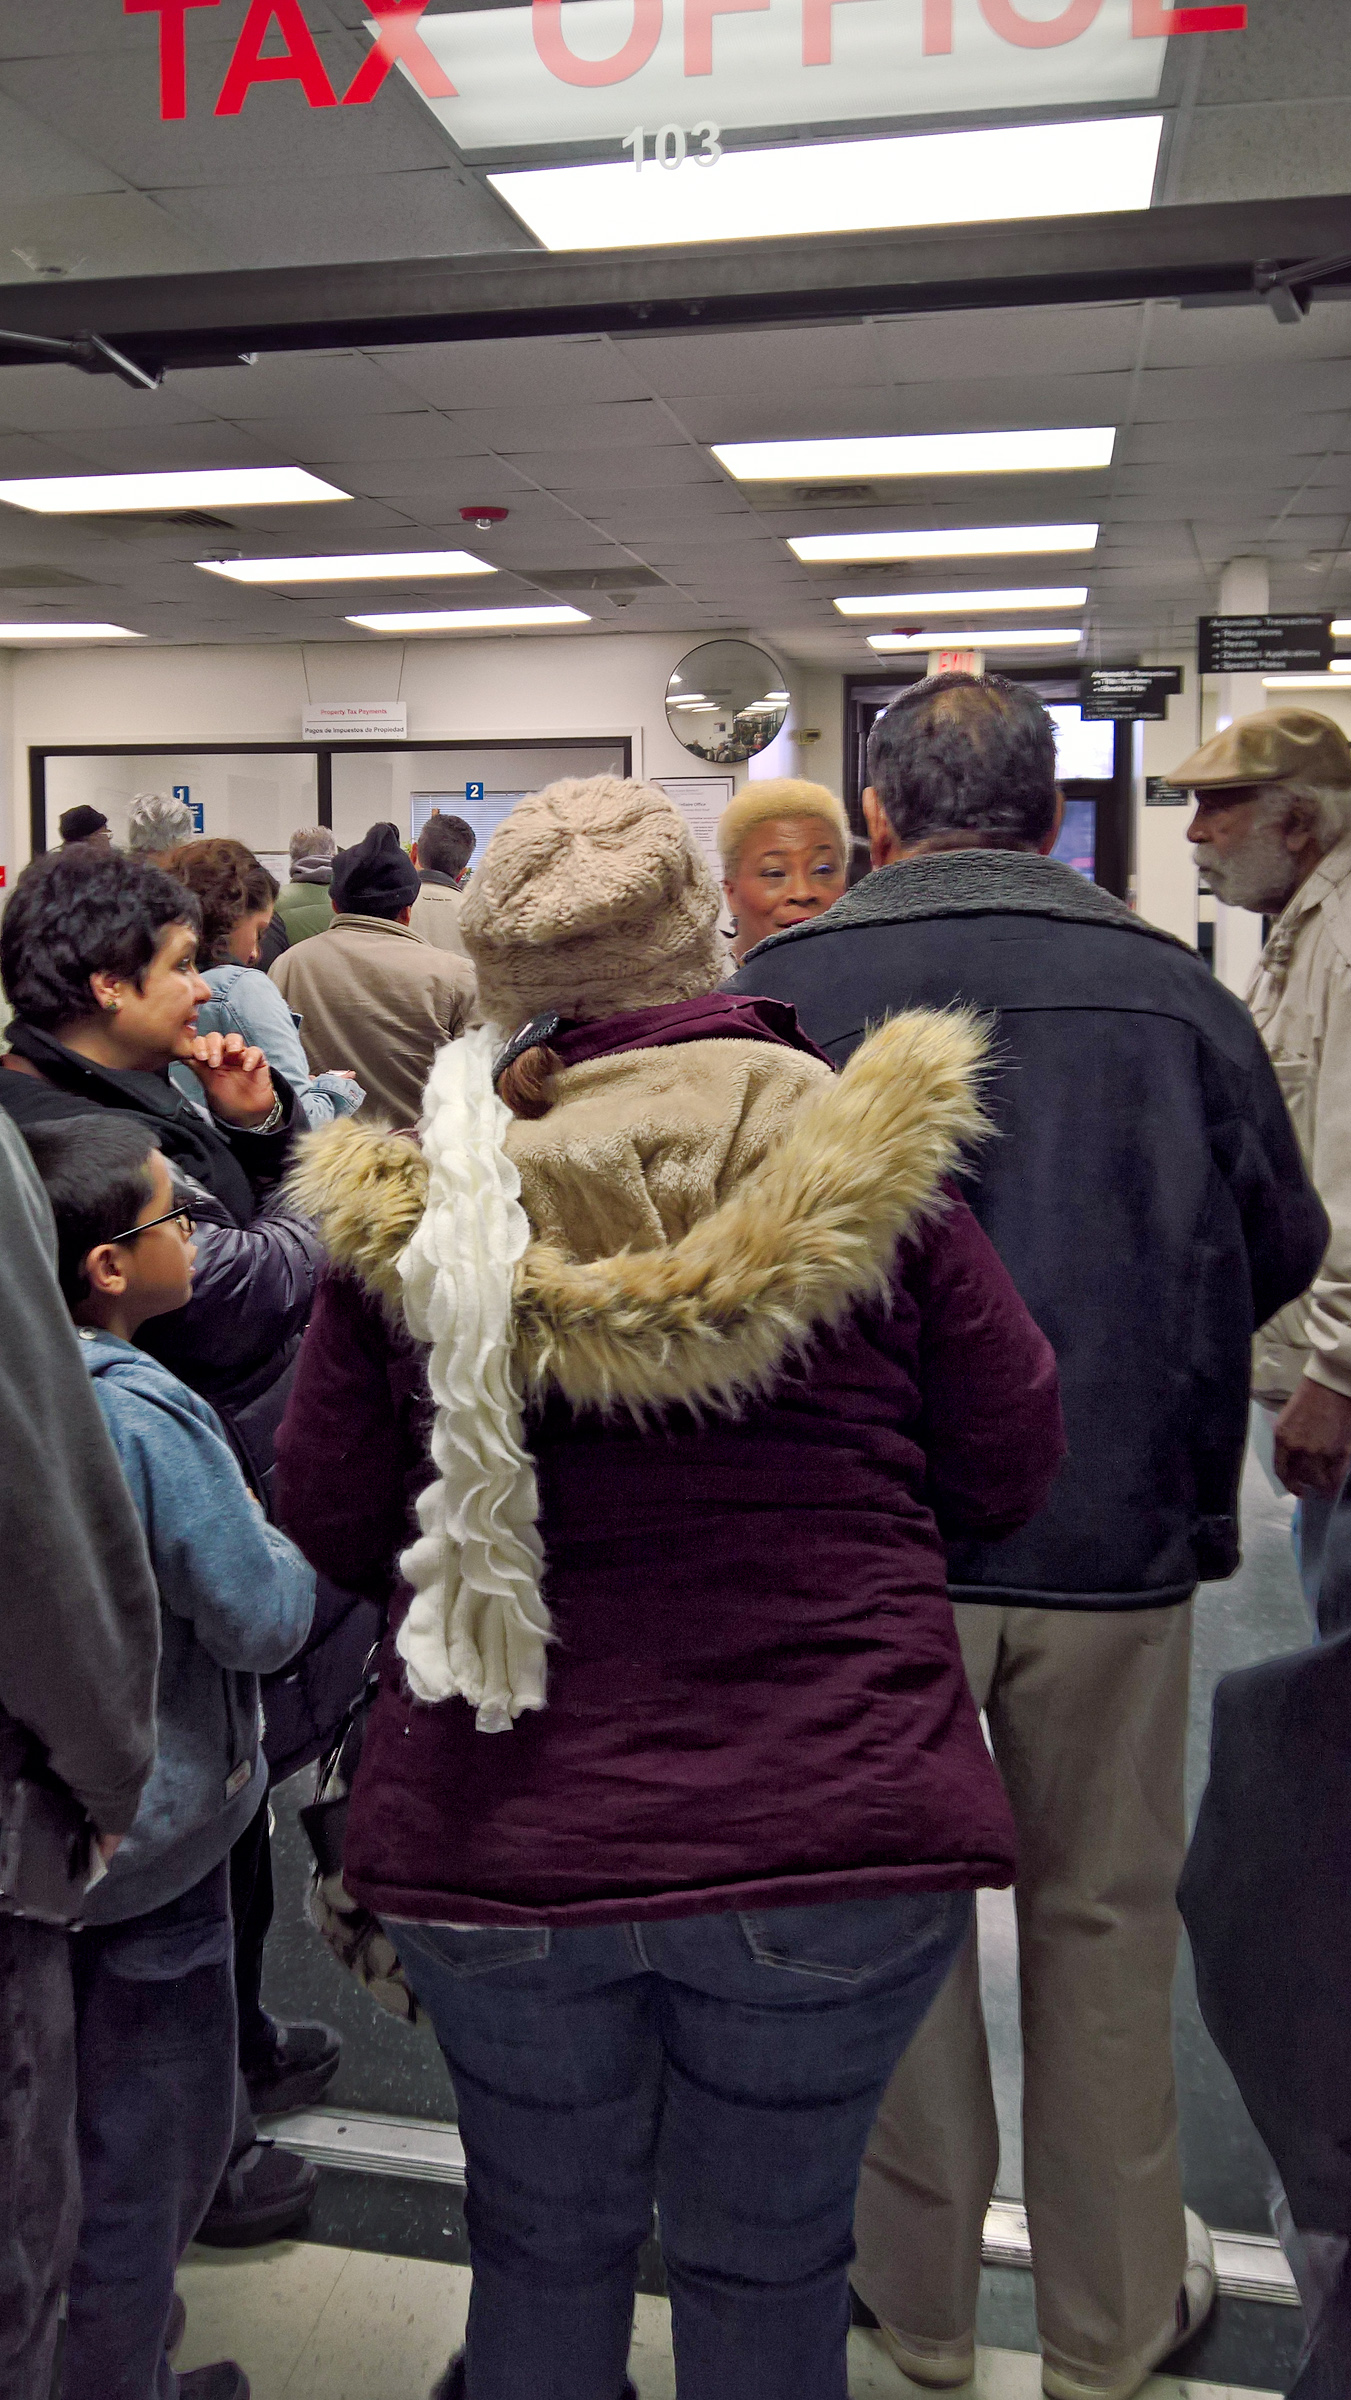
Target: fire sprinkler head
484,519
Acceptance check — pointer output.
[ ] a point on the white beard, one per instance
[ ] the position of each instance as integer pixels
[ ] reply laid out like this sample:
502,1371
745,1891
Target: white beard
1261,875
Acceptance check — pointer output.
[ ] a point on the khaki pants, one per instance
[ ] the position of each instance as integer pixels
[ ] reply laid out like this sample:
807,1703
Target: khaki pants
1087,1714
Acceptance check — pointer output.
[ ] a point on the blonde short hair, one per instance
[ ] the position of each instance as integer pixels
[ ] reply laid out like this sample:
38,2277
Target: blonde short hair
779,796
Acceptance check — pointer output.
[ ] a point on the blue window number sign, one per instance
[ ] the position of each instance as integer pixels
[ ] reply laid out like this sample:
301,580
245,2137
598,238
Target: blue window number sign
196,808
473,791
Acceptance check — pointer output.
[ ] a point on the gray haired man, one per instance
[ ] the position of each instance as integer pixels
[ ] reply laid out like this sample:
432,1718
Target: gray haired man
1272,833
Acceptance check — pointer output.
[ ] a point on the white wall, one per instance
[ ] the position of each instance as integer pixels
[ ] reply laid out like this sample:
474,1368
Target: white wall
607,685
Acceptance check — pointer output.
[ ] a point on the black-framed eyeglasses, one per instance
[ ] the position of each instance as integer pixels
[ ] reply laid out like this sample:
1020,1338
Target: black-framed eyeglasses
184,1217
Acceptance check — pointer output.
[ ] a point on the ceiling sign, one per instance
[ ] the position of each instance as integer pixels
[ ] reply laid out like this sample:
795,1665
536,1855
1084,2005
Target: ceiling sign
1264,645
1126,694
521,76
355,721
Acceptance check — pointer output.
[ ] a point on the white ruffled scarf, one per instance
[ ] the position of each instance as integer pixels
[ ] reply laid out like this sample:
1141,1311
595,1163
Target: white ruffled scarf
478,1627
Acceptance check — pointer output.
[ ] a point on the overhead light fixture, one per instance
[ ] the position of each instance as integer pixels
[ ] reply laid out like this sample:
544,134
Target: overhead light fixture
469,620
1341,627
17,634
211,487
399,566
1024,637
780,698
957,178
974,541
686,699
1049,450
1339,673
959,604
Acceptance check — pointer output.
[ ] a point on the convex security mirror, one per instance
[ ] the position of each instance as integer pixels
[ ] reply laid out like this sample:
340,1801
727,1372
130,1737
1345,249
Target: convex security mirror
726,701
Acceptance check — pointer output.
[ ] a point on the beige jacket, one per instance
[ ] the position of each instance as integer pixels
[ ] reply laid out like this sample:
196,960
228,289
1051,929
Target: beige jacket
373,995
436,916
1301,999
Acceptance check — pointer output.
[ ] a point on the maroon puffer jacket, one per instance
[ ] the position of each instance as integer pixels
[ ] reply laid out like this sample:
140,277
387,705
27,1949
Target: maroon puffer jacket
756,1695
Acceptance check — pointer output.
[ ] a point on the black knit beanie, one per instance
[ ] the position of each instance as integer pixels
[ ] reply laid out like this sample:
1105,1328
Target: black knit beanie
376,878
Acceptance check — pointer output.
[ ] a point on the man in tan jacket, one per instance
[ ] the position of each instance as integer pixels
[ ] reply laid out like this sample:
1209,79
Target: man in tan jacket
441,855
1272,833
370,993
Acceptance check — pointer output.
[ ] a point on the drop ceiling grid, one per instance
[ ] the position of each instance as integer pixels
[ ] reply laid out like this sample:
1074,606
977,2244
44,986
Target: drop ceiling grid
599,449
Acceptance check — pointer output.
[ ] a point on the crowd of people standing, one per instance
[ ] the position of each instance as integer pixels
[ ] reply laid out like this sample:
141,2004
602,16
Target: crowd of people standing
716,1374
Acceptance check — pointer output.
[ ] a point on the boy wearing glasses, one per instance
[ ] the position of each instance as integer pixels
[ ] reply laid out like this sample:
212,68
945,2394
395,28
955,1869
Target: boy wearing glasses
154,1982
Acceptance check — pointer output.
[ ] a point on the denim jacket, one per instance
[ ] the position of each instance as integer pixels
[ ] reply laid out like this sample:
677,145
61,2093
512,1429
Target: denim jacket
246,1002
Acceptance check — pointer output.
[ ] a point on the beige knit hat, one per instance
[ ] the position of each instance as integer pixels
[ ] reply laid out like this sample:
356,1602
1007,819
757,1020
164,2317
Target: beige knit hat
592,899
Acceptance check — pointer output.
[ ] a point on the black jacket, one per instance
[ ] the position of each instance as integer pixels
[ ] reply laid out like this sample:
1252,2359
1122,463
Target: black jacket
1266,1899
1144,1189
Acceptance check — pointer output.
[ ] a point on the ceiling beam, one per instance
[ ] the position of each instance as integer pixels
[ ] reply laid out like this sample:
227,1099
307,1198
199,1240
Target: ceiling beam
1209,251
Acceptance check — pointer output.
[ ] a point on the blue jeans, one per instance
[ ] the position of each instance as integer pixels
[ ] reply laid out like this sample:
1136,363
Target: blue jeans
726,2067
155,2083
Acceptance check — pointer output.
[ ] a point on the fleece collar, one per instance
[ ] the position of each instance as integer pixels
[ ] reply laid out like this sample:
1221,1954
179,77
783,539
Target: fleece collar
970,883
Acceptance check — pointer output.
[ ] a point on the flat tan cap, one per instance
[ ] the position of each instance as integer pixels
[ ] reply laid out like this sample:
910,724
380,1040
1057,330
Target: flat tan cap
1279,745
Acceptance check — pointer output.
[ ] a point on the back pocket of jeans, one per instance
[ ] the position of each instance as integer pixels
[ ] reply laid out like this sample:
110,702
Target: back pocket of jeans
470,1949
848,1940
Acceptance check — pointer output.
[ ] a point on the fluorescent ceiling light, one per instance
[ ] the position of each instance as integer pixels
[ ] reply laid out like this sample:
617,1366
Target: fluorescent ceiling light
212,487
1052,450
976,541
1339,672
843,187
782,697
1341,627
1026,637
68,633
401,566
960,604
469,620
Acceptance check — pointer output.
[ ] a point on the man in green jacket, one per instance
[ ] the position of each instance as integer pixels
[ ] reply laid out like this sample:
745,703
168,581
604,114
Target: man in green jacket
304,906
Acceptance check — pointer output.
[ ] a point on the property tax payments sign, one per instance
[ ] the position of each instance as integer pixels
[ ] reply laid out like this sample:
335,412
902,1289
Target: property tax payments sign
355,721
1263,645
1127,693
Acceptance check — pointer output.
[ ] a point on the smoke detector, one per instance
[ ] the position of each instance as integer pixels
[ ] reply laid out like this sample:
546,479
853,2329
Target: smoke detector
484,519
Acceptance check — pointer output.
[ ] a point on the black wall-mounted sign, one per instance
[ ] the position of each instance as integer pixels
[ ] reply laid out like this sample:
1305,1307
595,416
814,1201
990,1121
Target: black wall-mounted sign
1160,793
1264,645
1126,693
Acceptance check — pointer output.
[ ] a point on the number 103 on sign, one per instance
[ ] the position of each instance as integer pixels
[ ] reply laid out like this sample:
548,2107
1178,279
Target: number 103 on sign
671,144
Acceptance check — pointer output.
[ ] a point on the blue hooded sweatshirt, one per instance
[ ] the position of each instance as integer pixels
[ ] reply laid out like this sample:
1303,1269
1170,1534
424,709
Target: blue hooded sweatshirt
236,1600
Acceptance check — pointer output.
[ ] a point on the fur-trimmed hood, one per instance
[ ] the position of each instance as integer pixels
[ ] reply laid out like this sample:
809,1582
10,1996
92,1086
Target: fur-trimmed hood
709,1319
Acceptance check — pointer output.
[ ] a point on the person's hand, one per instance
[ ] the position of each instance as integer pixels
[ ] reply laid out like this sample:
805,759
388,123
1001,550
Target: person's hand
1313,1441
107,1844
348,1073
237,1080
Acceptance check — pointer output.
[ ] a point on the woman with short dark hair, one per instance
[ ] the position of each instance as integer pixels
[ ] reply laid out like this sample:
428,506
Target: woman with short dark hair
236,896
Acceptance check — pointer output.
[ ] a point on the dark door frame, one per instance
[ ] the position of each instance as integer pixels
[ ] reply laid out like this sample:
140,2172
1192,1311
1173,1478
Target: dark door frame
323,753
1112,852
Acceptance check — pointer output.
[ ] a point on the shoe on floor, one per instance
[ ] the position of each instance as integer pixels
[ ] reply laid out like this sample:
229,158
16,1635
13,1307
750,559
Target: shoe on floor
224,2381
176,2325
261,2196
936,2366
1195,2301
295,2070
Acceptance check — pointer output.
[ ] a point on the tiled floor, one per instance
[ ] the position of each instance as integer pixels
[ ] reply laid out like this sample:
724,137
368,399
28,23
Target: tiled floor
308,2322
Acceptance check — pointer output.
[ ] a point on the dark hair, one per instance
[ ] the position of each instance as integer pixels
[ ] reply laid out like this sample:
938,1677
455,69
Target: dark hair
96,1171
77,824
74,915
229,883
446,843
966,754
